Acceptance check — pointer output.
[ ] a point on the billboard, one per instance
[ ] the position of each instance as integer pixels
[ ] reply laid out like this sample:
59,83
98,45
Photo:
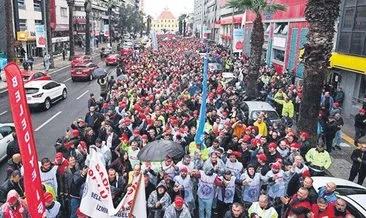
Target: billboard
238,37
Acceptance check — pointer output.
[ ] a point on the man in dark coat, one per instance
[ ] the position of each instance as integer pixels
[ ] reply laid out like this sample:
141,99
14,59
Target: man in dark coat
236,211
14,182
13,147
360,125
359,164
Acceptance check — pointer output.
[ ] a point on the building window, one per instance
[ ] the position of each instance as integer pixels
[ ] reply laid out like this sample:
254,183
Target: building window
21,4
281,28
37,5
38,22
360,23
22,25
357,43
279,55
63,12
266,27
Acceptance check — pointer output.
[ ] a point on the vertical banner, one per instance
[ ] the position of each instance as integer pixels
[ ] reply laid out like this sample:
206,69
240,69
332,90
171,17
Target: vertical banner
155,41
134,202
24,130
238,37
40,36
199,139
106,30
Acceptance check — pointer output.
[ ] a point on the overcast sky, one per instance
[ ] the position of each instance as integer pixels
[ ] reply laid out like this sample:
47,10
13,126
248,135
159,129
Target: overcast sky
177,7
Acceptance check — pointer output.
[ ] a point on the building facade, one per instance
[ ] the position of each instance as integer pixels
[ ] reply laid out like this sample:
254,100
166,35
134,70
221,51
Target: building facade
198,14
348,62
166,22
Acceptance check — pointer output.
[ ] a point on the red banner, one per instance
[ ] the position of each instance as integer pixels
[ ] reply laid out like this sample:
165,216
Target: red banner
24,130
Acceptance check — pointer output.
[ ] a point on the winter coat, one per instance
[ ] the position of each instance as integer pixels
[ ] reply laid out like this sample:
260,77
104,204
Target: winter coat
358,153
229,214
262,128
267,212
287,108
7,186
220,166
320,159
171,212
298,207
21,211
77,181
251,190
329,212
121,166
360,121
165,201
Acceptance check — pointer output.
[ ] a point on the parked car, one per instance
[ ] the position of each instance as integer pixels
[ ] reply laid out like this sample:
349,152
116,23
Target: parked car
104,52
352,193
252,110
81,59
83,71
44,93
6,137
34,75
112,59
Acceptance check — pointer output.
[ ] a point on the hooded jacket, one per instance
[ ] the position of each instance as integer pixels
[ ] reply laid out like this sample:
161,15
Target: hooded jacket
171,212
20,211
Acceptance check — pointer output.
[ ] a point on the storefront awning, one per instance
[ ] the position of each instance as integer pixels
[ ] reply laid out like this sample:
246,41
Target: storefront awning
230,20
348,62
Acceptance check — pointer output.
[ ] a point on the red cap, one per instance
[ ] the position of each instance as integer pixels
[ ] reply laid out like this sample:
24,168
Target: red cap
184,169
237,154
195,112
105,105
262,157
246,138
59,156
75,132
136,131
362,110
276,166
295,145
178,201
144,136
306,173
127,120
124,137
147,110
12,199
272,145
336,104
48,198
305,135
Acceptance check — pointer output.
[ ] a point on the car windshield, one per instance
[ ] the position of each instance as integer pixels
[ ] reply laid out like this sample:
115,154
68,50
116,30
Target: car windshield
346,190
272,115
31,90
26,77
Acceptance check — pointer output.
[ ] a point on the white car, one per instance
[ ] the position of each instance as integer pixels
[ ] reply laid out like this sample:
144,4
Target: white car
44,93
6,136
352,193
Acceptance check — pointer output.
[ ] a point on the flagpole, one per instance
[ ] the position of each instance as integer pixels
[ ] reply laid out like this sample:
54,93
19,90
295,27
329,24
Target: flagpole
134,197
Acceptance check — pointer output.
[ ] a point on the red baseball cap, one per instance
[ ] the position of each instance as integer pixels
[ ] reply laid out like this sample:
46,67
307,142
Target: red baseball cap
262,157
272,145
276,166
179,201
48,198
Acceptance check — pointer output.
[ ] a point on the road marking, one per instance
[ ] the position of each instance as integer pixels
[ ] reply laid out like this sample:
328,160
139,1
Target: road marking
47,121
59,69
2,113
82,95
347,138
67,80
344,144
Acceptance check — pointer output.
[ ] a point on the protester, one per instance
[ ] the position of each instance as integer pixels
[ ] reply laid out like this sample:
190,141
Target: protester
359,164
53,208
328,192
237,211
13,183
14,206
177,209
262,208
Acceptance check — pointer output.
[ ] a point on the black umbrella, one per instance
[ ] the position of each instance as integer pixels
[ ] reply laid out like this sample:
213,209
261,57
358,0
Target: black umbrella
99,72
158,150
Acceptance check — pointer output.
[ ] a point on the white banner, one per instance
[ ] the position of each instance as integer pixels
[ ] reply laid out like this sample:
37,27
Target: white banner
40,36
134,199
238,37
97,197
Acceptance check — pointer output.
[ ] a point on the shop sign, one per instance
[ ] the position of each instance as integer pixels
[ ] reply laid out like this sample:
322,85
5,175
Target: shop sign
22,36
60,39
238,40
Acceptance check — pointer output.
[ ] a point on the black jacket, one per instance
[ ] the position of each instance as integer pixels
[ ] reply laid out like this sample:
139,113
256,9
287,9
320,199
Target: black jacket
229,214
77,181
13,148
7,186
358,153
360,121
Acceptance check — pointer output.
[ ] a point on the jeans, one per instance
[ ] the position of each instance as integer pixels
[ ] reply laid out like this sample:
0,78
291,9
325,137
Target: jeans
205,206
74,205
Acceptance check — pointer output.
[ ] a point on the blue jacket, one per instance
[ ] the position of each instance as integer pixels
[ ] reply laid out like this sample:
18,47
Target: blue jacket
330,197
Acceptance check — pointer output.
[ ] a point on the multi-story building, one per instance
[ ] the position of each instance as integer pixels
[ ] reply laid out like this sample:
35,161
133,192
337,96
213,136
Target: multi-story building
348,62
59,25
198,15
165,22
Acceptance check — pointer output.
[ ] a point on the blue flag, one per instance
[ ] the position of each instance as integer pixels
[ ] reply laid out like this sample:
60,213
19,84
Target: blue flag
199,139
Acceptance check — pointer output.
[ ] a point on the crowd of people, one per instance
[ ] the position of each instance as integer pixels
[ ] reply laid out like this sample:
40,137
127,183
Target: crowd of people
244,168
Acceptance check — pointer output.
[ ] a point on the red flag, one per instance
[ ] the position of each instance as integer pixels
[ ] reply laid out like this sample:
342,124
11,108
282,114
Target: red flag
24,130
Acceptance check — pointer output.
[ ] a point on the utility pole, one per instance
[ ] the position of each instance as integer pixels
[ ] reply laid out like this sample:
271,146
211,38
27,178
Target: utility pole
71,4
110,24
10,52
88,9
49,32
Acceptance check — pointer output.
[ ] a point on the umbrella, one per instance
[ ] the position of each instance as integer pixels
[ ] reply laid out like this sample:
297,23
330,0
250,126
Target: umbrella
158,150
121,77
99,72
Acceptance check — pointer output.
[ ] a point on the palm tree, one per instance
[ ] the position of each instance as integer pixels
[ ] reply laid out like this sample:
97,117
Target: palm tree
257,37
49,33
321,16
148,26
9,30
181,19
71,3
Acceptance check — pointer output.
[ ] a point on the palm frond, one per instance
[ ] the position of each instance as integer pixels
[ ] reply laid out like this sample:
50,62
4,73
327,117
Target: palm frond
272,8
240,4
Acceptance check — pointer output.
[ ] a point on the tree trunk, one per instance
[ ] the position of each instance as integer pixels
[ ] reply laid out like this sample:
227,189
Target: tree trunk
70,3
49,33
87,33
257,41
9,31
321,16
110,26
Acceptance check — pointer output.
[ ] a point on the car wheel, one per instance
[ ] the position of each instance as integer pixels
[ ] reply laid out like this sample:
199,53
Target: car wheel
64,94
91,77
73,79
47,104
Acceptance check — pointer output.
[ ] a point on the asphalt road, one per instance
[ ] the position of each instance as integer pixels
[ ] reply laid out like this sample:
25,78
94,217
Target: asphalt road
51,124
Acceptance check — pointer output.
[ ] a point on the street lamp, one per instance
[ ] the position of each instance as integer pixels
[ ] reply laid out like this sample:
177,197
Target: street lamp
88,9
71,4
